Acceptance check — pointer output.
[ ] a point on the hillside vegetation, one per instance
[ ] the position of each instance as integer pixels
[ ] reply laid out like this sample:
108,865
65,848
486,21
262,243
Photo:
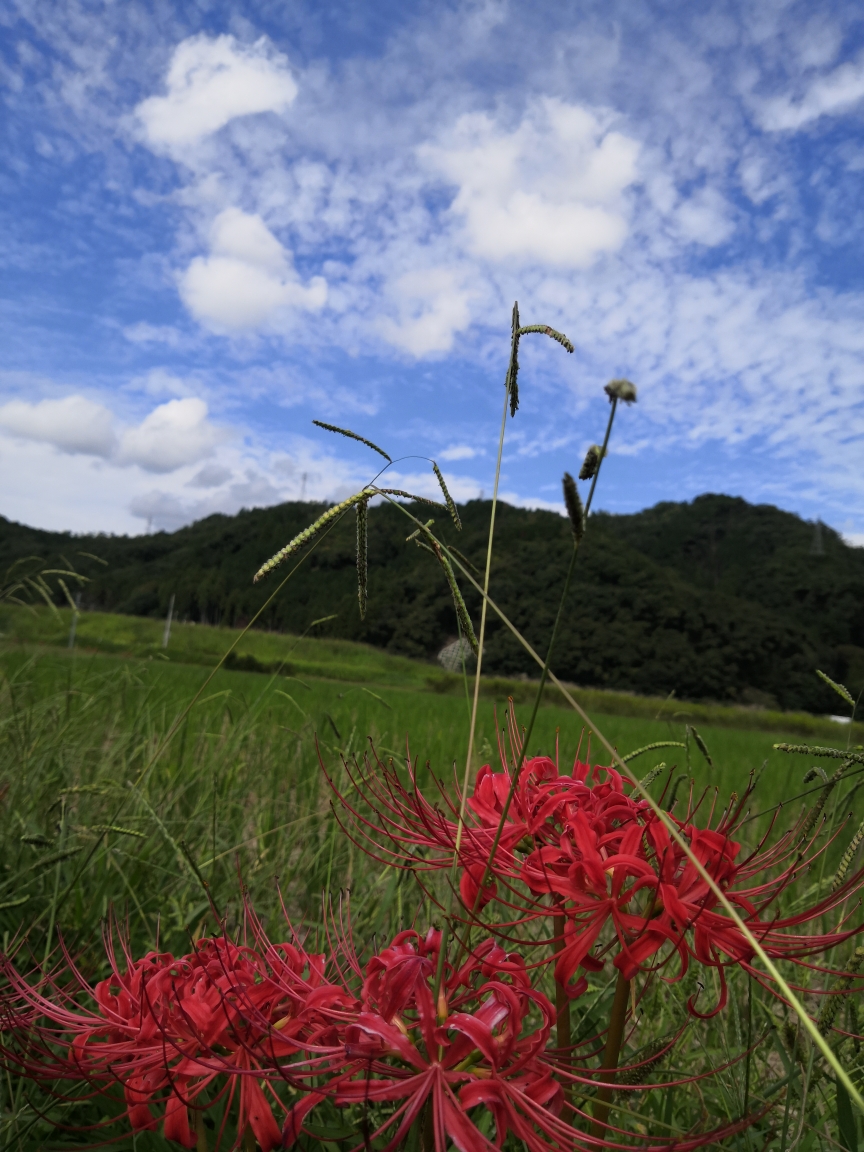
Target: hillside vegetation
711,600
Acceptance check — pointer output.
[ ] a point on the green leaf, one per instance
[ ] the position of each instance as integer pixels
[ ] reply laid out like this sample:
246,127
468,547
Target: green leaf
321,1133
846,1125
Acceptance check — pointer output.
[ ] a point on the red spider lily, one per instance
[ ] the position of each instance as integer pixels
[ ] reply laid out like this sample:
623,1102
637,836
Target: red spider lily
592,843
483,1046
167,1028
423,837
405,1049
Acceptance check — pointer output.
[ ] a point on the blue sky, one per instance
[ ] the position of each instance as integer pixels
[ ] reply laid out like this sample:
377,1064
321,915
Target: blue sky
223,221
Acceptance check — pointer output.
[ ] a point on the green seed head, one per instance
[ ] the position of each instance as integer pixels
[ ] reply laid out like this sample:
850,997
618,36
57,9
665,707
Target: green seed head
621,390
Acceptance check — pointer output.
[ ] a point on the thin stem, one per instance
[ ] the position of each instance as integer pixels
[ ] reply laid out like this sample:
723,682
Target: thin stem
61,841
545,673
482,636
445,932
428,1129
200,1131
611,1053
562,1007
749,1042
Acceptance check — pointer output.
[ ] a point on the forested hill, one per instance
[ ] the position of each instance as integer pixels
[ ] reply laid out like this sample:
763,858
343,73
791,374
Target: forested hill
715,599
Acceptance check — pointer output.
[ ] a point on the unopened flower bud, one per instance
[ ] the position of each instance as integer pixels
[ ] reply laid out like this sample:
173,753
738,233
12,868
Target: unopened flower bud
591,463
443,1011
621,390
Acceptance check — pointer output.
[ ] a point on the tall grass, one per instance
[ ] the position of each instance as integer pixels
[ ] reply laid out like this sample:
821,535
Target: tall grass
241,785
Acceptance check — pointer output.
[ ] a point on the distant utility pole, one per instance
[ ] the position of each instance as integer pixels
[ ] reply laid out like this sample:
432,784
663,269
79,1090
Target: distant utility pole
817,548
166,635
303,487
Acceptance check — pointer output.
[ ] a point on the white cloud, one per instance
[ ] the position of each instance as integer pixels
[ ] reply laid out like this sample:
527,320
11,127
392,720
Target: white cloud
829,95
171,436
160,382
248,279
432,307
458,452
210,476
174,434
854,539
549,191
210,81
705,218
73,424
144,333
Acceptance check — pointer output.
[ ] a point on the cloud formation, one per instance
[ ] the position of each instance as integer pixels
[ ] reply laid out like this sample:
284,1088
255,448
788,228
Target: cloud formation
548,191
170,437
248,278
828,95
173,435
211,81
73,424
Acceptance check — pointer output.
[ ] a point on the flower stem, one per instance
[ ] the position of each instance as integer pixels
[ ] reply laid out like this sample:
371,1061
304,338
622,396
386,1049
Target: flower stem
200,1131
428,1130
611,1053
562,1007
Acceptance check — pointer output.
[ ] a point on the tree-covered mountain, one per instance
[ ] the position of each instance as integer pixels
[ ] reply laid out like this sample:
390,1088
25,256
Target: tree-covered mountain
715,599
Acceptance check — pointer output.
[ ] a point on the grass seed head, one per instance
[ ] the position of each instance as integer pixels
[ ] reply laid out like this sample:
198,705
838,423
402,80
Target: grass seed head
465,625
848,857
511,381
841,689
547,331
701,745
309,533
448,499
621,390
831,1004
653,774
353,436
816,811
591,462
573,502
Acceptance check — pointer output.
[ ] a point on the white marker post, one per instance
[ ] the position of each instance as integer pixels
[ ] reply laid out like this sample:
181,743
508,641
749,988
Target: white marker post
166,635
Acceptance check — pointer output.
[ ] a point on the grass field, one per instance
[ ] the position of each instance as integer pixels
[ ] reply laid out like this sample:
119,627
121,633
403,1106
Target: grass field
101,811
240,782
310,656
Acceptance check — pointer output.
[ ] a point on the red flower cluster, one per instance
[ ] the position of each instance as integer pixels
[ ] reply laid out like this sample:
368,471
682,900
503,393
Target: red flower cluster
264,1030
269,1033
590,842
167,1028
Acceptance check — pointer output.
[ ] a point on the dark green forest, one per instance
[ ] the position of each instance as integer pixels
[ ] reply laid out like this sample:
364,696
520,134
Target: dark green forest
714,599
